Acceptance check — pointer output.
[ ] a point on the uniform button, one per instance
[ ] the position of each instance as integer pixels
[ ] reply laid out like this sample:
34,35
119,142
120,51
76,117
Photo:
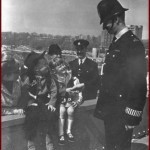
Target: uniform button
69,99
113,55
120,95
79,69
107,53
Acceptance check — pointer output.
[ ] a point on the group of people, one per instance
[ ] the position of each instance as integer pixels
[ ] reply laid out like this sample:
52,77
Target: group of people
55,88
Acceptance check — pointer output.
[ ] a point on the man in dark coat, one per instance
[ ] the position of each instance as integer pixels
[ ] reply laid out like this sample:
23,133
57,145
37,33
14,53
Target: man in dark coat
85,69
123,83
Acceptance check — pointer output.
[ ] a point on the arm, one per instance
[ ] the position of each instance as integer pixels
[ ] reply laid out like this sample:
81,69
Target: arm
53,93
79,101
76,85
136,84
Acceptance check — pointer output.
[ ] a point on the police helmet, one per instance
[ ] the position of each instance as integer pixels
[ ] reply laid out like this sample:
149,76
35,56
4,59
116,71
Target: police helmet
107,9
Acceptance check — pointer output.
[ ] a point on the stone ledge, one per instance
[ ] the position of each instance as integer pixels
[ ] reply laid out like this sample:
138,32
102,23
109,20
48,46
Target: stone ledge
12,120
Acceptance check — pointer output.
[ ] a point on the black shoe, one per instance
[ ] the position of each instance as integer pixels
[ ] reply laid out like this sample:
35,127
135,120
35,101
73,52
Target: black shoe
61,140
70,137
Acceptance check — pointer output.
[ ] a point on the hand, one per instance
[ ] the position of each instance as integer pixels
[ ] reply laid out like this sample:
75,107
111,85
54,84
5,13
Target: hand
33,104
80,85
18,111
51,107
76,80
128,127
25,82
74,104
68,90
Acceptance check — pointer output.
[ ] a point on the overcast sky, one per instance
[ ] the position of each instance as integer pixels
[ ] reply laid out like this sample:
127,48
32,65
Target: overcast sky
65,17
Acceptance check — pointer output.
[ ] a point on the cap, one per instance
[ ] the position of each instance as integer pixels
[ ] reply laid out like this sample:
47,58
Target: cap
80,45
32,59
54,49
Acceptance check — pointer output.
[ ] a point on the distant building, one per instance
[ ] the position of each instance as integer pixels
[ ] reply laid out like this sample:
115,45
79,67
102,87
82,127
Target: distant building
81,36
137,30
106,39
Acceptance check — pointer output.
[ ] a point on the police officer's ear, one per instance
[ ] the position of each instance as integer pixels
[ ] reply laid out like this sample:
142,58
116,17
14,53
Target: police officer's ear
117,20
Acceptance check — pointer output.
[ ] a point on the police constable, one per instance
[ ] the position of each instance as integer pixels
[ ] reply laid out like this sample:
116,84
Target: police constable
85,69
123,85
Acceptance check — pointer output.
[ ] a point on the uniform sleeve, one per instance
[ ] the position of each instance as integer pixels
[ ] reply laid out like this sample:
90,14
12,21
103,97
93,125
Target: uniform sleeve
80,100
136,83
53,92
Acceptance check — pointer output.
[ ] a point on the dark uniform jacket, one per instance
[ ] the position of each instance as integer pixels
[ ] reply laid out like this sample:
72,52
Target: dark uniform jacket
123,83
87,73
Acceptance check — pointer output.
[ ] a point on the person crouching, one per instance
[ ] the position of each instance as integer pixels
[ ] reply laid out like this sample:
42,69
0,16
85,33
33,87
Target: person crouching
42,98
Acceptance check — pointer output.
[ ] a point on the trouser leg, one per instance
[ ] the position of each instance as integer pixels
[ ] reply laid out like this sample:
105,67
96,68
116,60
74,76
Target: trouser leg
40,142
116,136
31,122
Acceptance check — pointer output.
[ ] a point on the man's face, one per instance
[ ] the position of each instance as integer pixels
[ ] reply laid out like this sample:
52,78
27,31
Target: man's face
81,54
109,25
53,57
41,68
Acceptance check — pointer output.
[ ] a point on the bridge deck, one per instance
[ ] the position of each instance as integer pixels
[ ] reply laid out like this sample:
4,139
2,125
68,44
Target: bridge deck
88,131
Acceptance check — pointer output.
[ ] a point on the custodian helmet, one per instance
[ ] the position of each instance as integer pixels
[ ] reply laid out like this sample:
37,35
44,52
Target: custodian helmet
108,9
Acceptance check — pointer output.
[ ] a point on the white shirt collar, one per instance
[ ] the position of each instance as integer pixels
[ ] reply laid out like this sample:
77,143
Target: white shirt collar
123,31
83,60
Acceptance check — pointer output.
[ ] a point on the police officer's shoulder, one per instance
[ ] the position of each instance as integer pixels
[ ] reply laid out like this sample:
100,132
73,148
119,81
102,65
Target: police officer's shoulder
134,38
136,44
91,61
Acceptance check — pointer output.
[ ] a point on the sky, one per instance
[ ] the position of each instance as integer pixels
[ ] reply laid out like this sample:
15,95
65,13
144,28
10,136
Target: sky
65,17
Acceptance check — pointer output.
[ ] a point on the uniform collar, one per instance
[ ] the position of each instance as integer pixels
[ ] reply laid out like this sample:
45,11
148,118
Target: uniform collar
122,32
83,60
